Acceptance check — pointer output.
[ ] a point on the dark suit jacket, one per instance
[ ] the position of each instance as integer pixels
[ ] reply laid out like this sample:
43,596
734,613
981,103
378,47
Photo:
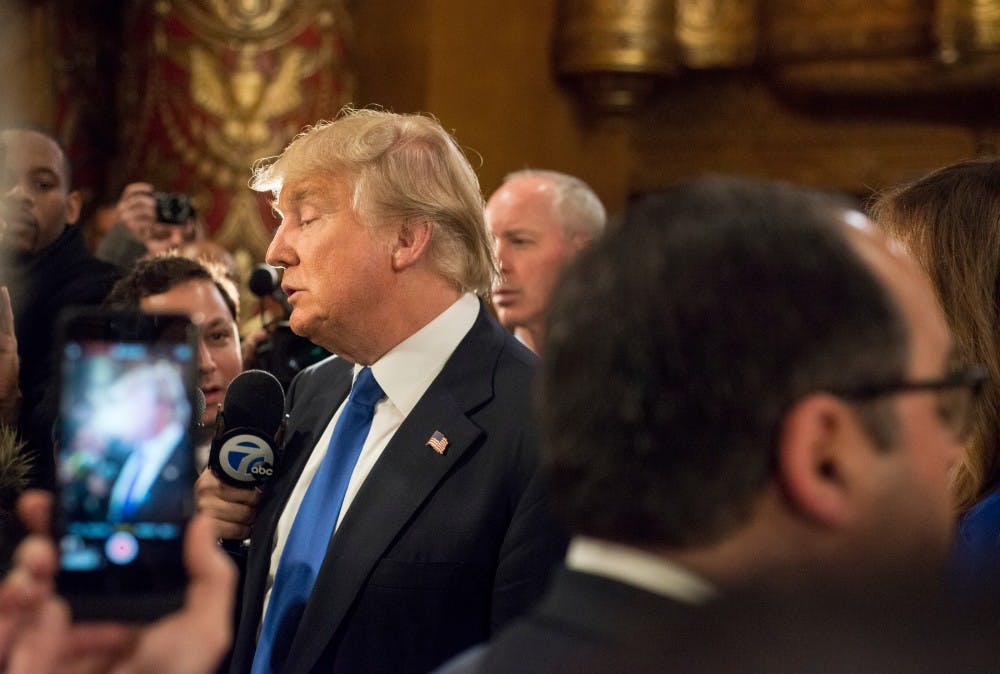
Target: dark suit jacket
170,496
590,624
436,551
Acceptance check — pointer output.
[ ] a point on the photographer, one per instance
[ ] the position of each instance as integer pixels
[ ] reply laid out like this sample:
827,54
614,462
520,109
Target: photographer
149,222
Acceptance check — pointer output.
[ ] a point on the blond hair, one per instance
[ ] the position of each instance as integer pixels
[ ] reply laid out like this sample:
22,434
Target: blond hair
403,168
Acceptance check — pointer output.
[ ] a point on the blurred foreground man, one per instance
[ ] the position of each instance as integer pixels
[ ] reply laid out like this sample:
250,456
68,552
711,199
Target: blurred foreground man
406,520
744,396
47,269
539,221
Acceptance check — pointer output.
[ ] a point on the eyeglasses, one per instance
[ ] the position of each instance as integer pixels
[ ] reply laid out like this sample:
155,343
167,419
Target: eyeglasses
958,393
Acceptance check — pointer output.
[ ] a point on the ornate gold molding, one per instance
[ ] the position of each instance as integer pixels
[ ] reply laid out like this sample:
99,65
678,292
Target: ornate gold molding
227,82
717,33
966,27
617,53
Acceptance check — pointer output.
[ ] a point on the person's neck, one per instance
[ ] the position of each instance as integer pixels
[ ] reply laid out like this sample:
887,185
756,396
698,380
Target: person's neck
530,336
768,545
409,309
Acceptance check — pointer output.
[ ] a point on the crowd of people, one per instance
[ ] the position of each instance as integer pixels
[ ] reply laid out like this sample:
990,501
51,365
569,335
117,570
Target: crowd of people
747,427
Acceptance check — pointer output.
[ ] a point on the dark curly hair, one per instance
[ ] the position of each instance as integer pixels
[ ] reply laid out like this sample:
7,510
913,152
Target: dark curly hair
163,272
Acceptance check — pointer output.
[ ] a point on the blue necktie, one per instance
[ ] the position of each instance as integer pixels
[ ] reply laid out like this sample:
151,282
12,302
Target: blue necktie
310,534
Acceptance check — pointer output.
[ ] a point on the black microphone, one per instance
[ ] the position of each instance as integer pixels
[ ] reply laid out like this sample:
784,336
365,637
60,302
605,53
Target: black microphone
247,430
265,281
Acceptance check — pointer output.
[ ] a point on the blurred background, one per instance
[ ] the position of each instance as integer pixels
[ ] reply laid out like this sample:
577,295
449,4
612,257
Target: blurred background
630,95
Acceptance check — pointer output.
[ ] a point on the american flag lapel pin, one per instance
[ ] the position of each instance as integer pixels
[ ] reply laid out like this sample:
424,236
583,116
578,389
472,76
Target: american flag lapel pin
438,442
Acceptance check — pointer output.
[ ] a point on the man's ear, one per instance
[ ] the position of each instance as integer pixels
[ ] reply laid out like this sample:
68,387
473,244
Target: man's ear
580,241
74,201
412,241
815,445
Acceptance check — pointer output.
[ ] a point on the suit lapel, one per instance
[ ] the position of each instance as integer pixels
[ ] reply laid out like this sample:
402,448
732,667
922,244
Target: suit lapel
401,480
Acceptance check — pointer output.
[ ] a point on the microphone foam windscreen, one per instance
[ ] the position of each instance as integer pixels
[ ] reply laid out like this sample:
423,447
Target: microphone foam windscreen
254,399
199,406
263,281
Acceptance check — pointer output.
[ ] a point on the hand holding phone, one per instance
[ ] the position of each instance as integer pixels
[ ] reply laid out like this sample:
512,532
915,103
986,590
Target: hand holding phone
125,471
35,631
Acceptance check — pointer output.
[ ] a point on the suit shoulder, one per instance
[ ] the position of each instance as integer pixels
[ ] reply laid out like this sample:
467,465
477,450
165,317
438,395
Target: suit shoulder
516,363
318,374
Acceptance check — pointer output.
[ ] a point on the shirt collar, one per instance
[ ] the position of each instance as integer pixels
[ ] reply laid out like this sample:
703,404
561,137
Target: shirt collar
408,369
639,568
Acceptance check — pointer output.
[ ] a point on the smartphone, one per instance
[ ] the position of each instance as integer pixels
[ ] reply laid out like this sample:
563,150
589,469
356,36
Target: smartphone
125,468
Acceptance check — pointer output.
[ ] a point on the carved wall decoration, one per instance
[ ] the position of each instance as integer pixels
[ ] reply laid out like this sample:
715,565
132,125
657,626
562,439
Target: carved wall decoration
967,27
717,33
209,87
868,48
615,51
804,30
85,69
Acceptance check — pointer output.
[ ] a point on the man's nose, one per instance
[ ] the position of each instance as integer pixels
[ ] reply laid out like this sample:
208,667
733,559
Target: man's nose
205,363
503,259
178,236
280,253
15,190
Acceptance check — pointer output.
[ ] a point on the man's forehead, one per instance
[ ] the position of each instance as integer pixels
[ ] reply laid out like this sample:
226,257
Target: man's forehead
294,192
910,289
527,189
523,201
876,249
20,144
187,292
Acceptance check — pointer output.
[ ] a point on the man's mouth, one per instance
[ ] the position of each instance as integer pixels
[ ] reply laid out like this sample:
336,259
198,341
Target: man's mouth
213,395
17,221
503,296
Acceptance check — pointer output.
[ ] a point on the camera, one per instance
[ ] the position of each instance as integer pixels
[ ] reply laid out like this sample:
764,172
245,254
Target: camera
284,353
173,208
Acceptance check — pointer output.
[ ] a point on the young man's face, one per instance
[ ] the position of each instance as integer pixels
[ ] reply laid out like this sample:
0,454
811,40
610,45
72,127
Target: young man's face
219,356
37,203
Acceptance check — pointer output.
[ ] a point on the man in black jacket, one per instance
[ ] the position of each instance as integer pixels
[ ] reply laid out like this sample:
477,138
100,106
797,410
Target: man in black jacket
437,530
47,269
749,414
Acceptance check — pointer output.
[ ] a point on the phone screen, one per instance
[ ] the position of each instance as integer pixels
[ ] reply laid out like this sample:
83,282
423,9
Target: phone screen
125,470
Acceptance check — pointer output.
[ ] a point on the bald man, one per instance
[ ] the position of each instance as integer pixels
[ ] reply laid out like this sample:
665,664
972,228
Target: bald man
539,221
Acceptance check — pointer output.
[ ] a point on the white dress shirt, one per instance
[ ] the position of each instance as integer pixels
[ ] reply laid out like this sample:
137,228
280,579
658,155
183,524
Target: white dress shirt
639,568
404,373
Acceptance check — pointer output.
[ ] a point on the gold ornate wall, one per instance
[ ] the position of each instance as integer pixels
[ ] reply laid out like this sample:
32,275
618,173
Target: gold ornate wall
209,86
616,52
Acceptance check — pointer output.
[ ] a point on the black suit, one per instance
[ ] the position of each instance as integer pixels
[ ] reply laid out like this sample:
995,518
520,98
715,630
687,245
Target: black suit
589,623
169,496
436,551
